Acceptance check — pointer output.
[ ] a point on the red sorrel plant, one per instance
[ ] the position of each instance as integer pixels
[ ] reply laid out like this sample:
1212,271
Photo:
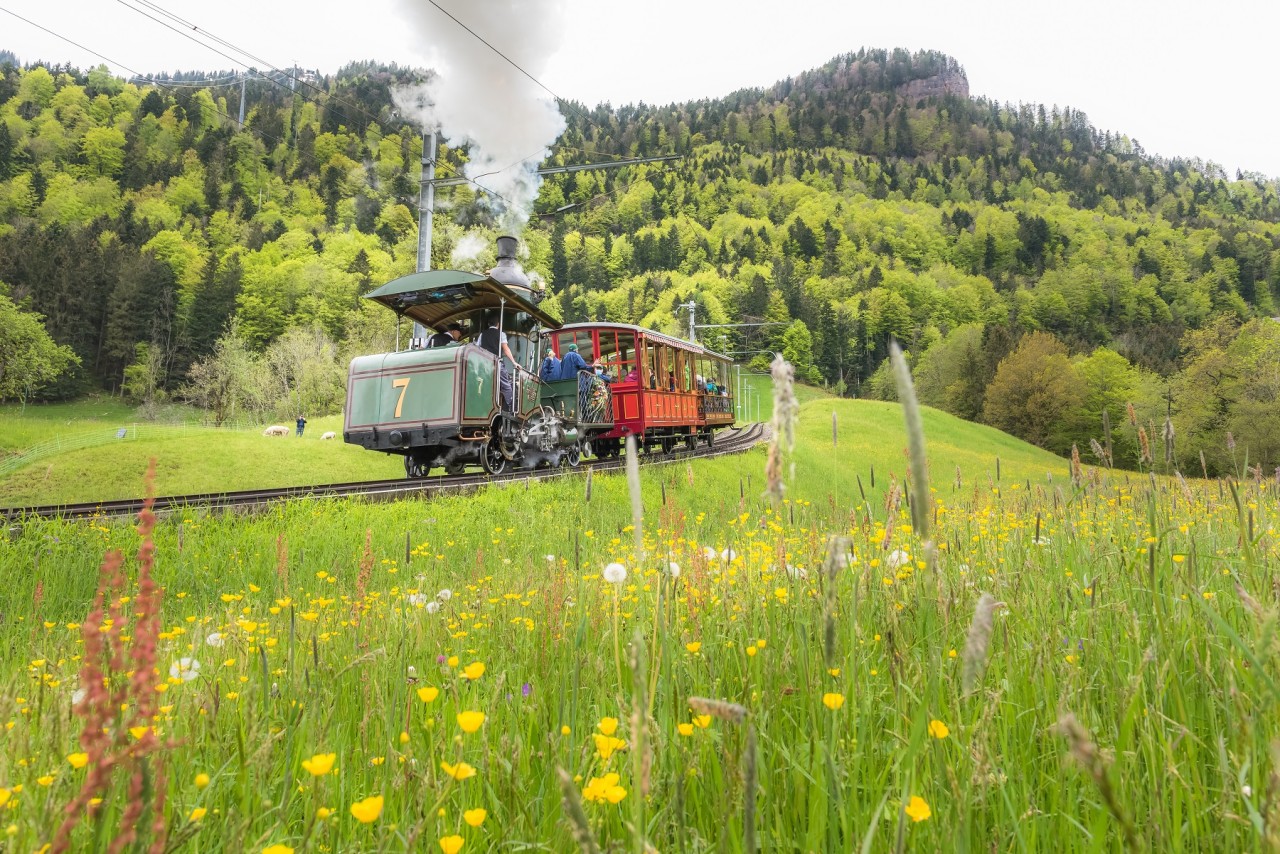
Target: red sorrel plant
119,679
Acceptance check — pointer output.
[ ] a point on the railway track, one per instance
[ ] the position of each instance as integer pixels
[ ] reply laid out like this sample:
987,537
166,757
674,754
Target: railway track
733,441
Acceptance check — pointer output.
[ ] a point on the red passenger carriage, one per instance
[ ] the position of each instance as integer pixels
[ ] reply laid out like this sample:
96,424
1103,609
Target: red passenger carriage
665,390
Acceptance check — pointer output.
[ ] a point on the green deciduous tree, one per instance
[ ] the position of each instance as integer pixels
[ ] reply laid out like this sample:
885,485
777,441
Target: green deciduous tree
1035,393
29,358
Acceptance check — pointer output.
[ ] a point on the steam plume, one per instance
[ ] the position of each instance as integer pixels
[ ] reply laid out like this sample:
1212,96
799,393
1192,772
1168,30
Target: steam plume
476,97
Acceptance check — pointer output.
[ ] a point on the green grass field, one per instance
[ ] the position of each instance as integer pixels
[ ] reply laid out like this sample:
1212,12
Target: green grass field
440,660
198,461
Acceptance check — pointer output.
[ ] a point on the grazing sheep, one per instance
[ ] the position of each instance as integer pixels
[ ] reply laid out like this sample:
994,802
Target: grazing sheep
329,435
276,430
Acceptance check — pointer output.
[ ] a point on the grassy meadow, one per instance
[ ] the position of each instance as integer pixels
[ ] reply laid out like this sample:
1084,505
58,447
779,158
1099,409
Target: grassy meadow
198,460
1079,673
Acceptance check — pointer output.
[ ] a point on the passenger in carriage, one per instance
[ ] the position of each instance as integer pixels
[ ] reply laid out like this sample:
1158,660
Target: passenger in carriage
671,380
571,363
598,367
550,370
632,375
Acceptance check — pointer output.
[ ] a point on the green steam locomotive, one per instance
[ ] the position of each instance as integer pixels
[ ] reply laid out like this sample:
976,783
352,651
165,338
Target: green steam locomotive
472,398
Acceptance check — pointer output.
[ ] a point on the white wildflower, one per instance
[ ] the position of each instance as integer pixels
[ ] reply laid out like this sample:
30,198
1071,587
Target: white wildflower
215,639
897,558
185,669
413,672
77,696
615,573
673,569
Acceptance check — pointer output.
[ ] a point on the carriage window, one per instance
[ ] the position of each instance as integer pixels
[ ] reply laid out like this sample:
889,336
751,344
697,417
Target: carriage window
651,353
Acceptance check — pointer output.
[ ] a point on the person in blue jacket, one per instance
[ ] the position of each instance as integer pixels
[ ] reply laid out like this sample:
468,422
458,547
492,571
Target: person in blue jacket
550,370
571,363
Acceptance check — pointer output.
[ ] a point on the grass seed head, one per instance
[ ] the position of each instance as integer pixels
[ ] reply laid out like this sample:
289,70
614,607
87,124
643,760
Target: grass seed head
725,711
977,644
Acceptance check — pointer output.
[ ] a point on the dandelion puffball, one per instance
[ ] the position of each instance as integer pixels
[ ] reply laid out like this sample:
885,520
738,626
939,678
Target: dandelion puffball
432,607
445,595
215,639
896,558
615,573
673,569
417,600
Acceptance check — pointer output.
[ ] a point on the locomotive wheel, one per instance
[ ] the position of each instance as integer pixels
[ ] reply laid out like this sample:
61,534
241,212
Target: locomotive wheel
454,468
669,445
414,469
711,439
573,456
691,441
491,458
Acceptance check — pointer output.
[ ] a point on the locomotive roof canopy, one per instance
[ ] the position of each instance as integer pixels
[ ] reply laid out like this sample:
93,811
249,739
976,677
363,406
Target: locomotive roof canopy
435,297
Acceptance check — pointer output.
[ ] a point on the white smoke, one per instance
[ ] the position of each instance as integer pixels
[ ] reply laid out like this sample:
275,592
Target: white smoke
469,247
476,97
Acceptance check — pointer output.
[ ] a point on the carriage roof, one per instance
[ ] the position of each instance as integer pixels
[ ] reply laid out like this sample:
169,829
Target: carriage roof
660,337
434,297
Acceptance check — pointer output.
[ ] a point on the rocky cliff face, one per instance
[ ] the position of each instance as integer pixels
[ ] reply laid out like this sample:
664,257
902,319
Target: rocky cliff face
948,82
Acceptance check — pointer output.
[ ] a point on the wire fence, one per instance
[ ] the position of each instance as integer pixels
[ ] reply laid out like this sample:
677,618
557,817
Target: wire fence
61,443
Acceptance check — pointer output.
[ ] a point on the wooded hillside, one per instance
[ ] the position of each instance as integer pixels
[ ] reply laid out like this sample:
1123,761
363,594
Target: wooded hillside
1038,270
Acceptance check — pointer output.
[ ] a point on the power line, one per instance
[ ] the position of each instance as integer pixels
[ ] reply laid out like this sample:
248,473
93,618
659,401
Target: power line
107,59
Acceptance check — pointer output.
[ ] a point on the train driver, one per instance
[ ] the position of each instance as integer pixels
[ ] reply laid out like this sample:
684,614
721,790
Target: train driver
451,334
494,340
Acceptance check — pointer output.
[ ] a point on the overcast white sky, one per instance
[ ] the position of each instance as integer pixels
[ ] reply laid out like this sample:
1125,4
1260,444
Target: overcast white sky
1183,78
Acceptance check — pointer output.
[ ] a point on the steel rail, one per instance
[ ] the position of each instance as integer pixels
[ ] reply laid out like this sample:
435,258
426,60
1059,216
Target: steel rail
735,441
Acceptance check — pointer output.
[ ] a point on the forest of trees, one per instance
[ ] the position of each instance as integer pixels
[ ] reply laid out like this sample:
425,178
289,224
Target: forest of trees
1043,275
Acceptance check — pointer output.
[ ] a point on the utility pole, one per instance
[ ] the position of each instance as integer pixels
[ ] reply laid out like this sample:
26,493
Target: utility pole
426,214
693,328
243,77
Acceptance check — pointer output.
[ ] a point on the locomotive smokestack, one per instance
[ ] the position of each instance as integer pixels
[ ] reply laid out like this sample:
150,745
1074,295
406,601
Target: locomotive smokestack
508,270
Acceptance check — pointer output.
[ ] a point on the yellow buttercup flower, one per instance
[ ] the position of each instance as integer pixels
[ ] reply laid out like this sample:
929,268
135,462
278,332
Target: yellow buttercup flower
702,721
5,795
277,849
693,647
564,730
685,729
428,693
138,731
453,661
607,744
368,810
917,809
608,726
451,844
320,764
474,670
197,814
938,729
475,817
604,788
461,771
202,780
78,760
46,780
323,813
833,701
470,721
